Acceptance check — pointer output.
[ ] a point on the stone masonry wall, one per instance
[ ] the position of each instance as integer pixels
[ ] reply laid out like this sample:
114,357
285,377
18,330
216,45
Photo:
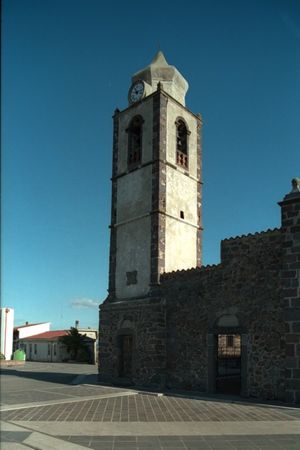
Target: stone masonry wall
290,208
144,319
247,285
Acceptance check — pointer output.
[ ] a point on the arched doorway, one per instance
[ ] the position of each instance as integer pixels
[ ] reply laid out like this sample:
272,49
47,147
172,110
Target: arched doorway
125,359
227,356
228,370
125,349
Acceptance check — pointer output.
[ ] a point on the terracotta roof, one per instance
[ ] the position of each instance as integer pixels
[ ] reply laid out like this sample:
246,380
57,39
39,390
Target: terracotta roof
47,335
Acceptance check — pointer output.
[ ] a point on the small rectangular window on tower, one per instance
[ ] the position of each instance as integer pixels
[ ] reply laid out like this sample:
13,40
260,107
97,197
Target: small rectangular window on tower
181,214
131,277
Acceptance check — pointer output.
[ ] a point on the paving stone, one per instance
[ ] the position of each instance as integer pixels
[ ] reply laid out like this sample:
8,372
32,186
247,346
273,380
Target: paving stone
102,446
102,439
125,439
175,448
124,445
80,439
146,439
118,409
199,446
148,446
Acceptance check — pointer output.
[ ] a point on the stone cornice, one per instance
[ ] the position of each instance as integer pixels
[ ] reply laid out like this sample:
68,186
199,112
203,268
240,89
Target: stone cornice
132,302
148,163
157,211
168,96
290,198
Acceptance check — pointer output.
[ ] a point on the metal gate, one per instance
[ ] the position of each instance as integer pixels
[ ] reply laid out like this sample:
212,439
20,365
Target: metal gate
228,378
126,356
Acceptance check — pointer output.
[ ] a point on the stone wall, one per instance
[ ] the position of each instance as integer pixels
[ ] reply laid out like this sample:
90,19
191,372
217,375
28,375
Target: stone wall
290,208
144,319
246,285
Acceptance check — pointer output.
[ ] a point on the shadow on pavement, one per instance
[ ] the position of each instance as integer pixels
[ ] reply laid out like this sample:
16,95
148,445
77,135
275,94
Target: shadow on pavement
50,377
204,396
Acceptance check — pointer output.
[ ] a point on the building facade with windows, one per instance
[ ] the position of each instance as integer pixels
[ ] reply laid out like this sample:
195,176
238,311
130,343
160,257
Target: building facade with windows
168,321
29,329
45,346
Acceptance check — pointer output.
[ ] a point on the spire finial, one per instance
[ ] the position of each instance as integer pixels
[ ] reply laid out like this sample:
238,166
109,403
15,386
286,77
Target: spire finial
295,185
159,58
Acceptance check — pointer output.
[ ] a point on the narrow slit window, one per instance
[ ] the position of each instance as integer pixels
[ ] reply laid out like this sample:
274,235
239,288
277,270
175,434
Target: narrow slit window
181,214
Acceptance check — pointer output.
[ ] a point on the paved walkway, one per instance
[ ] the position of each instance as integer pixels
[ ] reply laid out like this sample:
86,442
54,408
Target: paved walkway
53,414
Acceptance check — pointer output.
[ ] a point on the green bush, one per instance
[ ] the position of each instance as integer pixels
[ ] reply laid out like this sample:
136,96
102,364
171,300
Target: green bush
2,356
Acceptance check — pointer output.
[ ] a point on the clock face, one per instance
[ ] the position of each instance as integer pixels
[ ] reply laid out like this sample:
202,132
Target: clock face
136,92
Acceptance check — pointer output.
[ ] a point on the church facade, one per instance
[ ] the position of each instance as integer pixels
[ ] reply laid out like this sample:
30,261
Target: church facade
231,328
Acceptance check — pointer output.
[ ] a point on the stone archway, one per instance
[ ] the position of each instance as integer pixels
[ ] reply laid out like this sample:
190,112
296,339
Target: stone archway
228,363
227,356
125,349
125,360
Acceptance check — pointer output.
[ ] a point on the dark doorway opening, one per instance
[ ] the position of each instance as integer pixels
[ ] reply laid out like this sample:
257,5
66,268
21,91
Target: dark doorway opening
228,374
125,368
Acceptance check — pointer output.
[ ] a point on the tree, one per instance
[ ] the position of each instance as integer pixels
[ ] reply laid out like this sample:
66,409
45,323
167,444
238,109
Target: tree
74,343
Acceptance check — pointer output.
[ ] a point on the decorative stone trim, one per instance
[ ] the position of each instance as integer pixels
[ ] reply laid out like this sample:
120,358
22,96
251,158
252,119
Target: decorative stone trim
183,273
163,161
158,211
199,192
158,220
290,284
231,248
251,235
113,231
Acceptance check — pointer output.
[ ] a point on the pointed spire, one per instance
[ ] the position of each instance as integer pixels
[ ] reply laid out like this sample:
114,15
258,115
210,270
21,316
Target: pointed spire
160,59
171,81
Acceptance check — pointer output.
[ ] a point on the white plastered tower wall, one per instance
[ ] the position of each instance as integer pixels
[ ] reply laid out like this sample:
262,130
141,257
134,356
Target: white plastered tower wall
7,330
134,201
181,195
134,191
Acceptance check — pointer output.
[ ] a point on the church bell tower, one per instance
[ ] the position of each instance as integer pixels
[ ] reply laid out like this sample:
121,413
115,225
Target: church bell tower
156,183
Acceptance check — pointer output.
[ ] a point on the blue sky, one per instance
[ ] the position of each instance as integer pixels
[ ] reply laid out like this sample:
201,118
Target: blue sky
67,64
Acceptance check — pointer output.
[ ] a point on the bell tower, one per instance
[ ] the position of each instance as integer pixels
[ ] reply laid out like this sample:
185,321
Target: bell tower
155,221
156,183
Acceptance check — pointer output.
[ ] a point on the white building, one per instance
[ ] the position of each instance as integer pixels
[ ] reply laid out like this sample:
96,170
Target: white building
47,346
30,329
44,346
6,331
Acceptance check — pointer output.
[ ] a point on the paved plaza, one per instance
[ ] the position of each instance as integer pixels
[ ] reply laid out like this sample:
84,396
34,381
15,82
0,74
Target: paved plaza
61,406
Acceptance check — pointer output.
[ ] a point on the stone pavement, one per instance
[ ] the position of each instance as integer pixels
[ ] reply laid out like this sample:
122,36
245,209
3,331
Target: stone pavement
47,412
